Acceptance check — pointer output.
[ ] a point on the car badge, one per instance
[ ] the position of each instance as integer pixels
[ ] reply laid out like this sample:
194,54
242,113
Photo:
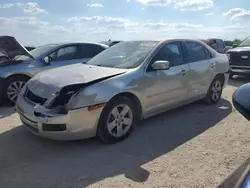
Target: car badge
244,57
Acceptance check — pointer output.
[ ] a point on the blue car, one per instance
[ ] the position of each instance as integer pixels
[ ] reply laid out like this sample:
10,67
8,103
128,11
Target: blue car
22,64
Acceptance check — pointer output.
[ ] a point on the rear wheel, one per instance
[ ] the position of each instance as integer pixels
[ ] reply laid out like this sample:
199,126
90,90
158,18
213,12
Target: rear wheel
215,91
13,87
117,120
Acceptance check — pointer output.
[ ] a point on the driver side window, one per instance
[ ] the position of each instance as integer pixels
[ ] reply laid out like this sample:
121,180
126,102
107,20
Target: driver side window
64,53
171,52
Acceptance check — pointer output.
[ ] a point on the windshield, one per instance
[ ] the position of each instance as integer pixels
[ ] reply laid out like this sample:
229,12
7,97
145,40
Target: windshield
124,55
245,42
37,52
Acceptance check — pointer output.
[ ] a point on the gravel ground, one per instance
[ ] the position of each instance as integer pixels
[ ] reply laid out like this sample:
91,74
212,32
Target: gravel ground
193,146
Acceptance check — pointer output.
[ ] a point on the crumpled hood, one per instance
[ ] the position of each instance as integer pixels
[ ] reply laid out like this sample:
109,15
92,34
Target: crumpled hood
12,47
51,81
239,49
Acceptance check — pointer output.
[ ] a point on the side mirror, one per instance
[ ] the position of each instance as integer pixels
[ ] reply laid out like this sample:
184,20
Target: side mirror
160,65
235,45
47,60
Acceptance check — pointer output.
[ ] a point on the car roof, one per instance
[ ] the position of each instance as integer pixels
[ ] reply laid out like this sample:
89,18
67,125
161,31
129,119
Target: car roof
165,40
181,39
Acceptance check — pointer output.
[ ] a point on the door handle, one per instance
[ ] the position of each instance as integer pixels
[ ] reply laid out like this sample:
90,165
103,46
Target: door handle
183,72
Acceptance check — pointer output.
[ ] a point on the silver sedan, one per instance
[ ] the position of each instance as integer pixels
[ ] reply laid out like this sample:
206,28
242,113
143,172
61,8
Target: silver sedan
128,82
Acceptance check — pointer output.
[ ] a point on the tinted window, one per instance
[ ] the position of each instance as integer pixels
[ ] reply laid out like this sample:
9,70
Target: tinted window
64,53
196,52
90,50
170,52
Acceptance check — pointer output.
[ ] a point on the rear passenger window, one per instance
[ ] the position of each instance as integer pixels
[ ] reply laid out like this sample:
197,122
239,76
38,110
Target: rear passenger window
196,52
170,52
90,50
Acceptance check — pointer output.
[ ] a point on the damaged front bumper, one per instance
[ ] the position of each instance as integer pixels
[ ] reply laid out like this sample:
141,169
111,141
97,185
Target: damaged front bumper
76,124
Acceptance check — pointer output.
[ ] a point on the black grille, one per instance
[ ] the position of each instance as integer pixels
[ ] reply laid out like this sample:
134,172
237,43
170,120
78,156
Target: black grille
236,58
34,98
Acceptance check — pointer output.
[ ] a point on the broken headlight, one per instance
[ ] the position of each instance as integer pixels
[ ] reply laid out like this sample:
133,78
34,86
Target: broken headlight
62,99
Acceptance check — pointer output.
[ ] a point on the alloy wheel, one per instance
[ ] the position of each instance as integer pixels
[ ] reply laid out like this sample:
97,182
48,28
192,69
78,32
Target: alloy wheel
120,120
216,90
14,89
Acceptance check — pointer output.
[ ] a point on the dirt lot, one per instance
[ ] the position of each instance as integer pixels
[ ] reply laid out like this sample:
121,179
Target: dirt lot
193,146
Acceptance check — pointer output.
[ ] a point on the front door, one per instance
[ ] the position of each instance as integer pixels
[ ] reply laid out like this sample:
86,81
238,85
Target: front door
166,88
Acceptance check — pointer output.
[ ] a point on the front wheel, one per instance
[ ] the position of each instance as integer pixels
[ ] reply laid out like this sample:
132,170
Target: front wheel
215,91
117,120
14,86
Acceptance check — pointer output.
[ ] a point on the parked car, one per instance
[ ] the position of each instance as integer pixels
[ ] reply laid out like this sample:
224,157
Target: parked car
216,44
241,100
111,42
239,58
130,81
240,178
23,64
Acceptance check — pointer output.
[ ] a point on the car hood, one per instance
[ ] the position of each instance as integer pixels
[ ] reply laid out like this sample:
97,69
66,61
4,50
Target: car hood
52,81
240,49
12,47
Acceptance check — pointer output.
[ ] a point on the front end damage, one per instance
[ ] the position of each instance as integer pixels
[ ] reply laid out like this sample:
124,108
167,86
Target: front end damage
56,117
55,120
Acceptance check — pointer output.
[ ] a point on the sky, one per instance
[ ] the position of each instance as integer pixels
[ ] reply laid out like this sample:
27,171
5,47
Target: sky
38,22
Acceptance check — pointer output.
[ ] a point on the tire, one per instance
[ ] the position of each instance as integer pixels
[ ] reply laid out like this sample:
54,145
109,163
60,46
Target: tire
109,132
215,87
13,87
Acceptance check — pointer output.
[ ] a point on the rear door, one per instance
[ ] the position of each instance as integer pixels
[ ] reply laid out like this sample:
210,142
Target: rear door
202,66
